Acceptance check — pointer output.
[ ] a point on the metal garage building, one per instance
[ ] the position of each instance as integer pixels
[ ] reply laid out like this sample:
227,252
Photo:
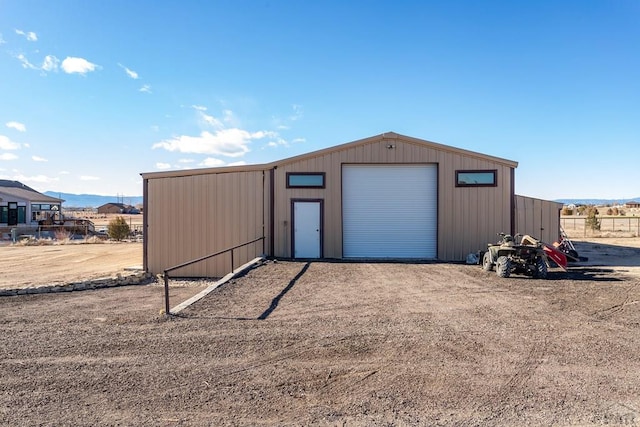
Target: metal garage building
387,197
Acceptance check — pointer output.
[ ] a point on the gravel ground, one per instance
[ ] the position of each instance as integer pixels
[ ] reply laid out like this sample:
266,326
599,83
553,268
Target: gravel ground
331,344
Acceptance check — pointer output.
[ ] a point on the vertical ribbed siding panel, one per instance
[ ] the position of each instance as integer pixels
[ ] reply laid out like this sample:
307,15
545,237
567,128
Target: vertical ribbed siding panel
538,218
194,216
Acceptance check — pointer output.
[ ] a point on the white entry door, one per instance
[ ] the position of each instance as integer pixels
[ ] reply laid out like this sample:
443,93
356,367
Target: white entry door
307,229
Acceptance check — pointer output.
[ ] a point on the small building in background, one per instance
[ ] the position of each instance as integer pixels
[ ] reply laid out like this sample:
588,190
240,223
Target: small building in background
117,208
632,204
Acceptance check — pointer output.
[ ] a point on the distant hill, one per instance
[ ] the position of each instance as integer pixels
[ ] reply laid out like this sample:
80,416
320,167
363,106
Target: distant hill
597,201
92,200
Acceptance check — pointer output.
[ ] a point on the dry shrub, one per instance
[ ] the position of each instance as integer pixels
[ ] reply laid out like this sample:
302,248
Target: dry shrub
33,242
62,236
93,240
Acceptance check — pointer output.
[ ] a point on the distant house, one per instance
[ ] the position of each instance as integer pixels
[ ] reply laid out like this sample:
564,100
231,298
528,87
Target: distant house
22,206
632,204
117,208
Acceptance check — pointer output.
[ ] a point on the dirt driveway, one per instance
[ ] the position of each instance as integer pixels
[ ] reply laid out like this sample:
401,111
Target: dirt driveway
331,344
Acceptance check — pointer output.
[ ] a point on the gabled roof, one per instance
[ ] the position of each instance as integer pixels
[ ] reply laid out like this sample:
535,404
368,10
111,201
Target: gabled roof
9,189
336,148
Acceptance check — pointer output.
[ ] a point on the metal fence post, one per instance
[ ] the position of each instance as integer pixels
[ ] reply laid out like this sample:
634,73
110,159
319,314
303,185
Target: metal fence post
167,310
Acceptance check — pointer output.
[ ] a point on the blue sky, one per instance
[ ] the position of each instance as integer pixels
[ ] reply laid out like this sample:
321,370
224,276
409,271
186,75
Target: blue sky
92,93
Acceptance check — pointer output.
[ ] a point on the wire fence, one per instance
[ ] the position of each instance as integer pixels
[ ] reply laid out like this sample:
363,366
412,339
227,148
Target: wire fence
626,226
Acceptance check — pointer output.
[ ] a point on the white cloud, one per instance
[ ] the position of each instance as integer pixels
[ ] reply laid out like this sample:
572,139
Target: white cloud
2,40
186,161
210,120
89,178
226,142
20,127
212,162
297,140
38,159
161,165
230,119
240,163
278,142
31,36
26,145
65,173
35,178
25,62
50,63
129,72
145,89
207,119
297,112
8,156
7,144
72,65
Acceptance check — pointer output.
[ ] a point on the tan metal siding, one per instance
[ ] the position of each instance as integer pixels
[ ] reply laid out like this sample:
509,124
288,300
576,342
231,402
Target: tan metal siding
538,218
462,226
194,213
192,216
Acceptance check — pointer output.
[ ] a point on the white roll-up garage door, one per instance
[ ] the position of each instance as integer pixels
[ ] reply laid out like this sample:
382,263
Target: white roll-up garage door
389,211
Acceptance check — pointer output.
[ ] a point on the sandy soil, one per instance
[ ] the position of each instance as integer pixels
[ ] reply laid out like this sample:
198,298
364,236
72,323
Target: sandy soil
333,344
29,266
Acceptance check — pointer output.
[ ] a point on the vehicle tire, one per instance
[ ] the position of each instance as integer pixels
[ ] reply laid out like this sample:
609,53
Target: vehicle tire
541,269
503,266
487,265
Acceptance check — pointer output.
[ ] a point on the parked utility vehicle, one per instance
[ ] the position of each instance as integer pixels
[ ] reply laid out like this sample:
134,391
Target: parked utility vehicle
528,256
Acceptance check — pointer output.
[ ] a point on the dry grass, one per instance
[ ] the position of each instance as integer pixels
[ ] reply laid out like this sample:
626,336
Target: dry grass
60,239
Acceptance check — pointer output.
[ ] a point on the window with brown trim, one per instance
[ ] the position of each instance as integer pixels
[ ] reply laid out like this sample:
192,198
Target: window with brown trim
305,179
477,178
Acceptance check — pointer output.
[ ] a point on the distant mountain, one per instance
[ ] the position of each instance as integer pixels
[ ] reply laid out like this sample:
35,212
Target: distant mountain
597,201
92,200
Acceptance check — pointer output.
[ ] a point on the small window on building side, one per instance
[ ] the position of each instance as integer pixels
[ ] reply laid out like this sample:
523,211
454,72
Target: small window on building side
305,179
476,178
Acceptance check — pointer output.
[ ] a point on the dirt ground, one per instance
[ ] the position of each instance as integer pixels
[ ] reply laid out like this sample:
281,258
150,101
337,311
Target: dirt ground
32,266
293,343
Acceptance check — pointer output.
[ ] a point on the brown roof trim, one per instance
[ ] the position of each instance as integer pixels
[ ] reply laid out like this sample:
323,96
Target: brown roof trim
384,136
205,171
559,204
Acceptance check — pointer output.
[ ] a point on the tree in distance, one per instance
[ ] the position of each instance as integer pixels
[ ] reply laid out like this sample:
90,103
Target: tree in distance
118,228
